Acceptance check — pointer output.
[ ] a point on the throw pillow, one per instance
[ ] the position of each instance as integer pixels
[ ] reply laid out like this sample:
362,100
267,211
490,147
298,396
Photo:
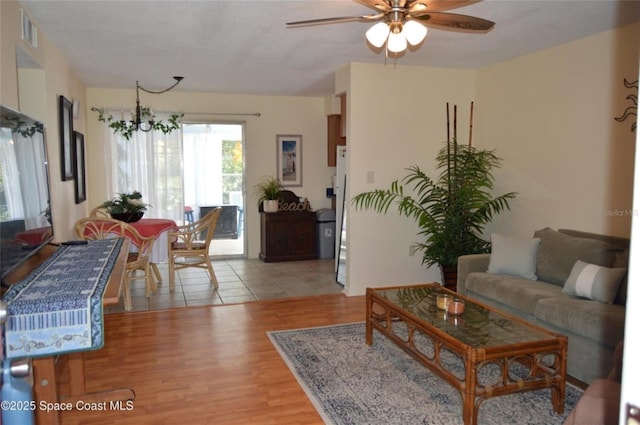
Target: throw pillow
513,256
558,253
594,282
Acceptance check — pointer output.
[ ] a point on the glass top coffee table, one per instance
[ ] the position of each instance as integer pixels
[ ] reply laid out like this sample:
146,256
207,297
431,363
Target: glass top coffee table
480,339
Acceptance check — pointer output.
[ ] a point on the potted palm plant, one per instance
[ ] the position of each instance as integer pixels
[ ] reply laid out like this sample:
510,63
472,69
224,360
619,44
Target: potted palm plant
267,191
451,210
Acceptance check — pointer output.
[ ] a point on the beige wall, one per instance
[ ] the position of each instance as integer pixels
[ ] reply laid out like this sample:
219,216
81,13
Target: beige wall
549,115
58,80
396,119
279,115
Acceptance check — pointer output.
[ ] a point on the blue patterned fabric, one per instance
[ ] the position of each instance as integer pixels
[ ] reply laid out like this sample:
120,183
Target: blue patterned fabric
351,383
57,308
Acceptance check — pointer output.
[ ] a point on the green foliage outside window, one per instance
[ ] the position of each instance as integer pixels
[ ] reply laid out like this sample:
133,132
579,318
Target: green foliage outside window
231,168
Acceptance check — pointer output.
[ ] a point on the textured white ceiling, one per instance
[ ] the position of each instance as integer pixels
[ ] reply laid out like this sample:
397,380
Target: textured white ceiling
244,47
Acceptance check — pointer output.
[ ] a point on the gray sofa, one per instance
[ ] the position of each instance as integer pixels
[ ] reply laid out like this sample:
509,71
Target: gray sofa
594,326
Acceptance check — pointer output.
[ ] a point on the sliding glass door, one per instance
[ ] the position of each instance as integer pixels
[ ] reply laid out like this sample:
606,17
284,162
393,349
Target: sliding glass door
213,164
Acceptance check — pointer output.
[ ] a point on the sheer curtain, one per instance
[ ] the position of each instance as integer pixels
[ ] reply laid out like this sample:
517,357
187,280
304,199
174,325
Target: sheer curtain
30,152
203,162
22,175
150,163
11,176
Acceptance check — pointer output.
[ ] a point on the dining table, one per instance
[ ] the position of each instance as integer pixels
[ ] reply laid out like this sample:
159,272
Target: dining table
158,228
34,236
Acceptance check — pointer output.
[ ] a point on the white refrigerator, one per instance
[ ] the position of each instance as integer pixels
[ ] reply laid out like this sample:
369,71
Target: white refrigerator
340,190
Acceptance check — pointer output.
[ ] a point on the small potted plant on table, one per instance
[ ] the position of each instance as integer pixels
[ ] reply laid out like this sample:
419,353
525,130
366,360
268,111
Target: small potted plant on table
267,192
127,207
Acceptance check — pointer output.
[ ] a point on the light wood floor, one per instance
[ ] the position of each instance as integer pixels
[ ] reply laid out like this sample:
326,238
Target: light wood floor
208,365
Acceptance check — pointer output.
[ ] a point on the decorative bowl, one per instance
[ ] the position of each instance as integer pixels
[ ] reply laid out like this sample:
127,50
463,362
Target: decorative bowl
127,217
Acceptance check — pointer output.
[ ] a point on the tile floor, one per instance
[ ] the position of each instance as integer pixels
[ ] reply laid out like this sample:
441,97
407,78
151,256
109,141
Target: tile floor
239,280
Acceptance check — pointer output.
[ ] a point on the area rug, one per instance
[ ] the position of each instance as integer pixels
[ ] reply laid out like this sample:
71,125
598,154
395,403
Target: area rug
352,383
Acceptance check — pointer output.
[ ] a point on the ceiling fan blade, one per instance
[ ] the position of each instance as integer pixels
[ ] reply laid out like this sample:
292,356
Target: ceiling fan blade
366,18
454,22
438,5
380,5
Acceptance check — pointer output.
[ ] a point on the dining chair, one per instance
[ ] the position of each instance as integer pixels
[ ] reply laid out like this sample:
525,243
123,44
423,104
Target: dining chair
99,211
188,246
93,228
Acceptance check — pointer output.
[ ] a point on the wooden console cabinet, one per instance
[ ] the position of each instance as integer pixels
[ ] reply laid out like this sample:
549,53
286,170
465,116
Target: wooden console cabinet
288,236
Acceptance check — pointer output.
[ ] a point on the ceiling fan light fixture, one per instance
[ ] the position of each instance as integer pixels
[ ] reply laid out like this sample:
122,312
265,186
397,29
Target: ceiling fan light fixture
400,23
397,42
377,35
415,32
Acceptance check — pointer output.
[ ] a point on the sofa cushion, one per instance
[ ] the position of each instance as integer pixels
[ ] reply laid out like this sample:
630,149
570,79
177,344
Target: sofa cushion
594,282
558,252
622,261
600,322
513,256
519,294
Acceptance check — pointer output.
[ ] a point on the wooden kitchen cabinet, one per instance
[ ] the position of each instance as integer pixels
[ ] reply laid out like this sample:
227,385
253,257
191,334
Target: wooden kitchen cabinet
343,115
334,138
288,236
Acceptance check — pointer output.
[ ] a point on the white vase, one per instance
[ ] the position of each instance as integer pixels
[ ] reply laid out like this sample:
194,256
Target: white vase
270,205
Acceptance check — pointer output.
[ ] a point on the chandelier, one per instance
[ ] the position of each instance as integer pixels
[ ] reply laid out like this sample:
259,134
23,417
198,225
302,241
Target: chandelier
144,119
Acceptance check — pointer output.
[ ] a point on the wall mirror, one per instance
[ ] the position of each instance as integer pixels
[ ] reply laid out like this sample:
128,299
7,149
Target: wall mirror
25,213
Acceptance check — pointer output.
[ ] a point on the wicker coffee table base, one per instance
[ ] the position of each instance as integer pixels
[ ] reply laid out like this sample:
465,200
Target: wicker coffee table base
545,360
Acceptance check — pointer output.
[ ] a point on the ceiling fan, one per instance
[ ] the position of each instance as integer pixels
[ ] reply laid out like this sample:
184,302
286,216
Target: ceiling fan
404,21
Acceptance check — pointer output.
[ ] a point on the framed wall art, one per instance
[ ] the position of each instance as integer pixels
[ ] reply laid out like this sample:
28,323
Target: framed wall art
289,156
66,135
79,167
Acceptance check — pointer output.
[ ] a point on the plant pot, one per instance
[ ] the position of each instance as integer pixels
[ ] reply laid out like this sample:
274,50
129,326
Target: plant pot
450,277
270,205
127,217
